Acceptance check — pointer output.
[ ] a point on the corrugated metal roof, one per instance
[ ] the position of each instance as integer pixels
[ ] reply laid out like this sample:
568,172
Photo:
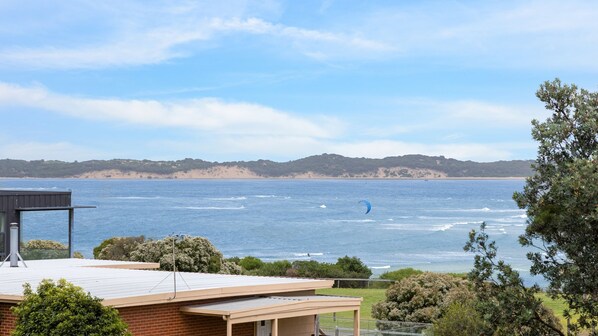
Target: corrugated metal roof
274,307
76,262
125,287
230,306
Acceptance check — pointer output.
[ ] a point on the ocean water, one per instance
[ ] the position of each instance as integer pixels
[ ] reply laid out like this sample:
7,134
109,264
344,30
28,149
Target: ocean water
413,223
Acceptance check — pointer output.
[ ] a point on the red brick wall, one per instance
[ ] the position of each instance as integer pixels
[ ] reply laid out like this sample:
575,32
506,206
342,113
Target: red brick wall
166,319
7,319
154,320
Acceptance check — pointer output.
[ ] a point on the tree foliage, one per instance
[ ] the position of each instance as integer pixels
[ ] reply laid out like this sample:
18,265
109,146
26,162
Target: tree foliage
561,198
117,248
46,249
250,263
57,309
345,267
460,319
193,254
421,298
400,274
506,305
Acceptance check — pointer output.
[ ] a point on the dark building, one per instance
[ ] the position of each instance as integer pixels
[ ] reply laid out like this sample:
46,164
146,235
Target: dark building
14,202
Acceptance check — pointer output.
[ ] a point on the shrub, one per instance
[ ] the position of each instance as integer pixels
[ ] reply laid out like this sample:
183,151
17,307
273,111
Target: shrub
400,274
61,308
250,263
36,249
117,248
276,268
421,298
354,267
460,319
193,254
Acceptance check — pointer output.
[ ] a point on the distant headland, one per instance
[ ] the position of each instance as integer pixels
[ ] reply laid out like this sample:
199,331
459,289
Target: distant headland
317,166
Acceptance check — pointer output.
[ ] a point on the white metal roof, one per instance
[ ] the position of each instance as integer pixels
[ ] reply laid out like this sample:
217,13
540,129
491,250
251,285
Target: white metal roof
237,305
128,287
76,262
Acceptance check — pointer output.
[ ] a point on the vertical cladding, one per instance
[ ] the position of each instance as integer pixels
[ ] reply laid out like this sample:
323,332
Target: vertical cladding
166,319
10,200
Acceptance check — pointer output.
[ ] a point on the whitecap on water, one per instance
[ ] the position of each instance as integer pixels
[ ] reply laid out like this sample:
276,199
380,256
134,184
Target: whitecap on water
353,220
211,208
136,197
235,198
308,254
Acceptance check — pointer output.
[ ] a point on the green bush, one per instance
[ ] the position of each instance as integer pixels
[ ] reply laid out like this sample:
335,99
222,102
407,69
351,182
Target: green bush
354,268
275,268
193,254
460,319
421,298
58,309
345,267
117,248
37,249
400,274
250,263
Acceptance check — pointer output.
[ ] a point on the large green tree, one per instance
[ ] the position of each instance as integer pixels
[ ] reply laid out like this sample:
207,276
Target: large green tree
561,198
60,308
506,306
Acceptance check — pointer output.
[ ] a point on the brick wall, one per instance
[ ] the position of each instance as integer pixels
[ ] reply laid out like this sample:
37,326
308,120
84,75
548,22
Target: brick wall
154,320
166,319
7,319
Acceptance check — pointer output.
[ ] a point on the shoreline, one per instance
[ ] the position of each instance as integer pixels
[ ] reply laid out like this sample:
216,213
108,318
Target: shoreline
472,178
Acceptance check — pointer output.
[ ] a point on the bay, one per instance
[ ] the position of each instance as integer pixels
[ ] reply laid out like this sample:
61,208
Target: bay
413,223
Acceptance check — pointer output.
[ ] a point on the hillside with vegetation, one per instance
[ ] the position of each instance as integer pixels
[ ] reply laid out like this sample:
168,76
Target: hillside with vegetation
318,166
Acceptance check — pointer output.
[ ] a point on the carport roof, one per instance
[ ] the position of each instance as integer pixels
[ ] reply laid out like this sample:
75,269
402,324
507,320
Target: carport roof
274,307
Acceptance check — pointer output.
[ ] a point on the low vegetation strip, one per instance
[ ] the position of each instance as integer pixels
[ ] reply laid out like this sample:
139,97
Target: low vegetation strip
318,166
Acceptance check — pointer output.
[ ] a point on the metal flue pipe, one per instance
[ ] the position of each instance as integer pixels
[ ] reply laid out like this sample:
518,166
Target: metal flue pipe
14,245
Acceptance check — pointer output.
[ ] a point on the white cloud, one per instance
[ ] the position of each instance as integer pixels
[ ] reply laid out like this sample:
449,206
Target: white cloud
208,114
150,35
238,130
545,33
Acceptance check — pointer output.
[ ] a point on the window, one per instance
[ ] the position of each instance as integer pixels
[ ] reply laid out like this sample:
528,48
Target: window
44,235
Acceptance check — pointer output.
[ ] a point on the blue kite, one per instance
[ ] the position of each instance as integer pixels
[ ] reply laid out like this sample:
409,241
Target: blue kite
368,205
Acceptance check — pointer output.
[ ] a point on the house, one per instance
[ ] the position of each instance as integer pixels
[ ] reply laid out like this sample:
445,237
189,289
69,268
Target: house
199,304
161,303
14,203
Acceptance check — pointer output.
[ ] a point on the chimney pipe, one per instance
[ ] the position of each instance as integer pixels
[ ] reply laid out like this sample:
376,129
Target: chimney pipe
14,245
14,255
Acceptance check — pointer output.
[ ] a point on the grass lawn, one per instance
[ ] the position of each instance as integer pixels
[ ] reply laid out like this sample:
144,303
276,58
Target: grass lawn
557,306
370,296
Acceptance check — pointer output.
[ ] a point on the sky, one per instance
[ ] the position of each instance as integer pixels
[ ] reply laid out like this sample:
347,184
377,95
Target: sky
281,80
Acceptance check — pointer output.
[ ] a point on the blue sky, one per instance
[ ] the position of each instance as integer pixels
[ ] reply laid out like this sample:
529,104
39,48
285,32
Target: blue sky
280,80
